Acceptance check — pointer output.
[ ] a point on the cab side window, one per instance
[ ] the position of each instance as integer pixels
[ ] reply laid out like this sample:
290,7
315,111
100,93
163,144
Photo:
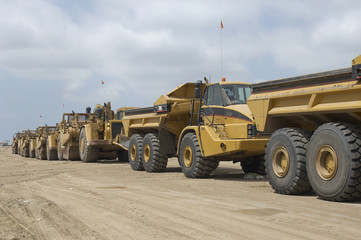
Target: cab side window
213,95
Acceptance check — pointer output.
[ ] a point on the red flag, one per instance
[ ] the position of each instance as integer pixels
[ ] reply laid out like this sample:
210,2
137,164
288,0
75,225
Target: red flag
221,25
102,82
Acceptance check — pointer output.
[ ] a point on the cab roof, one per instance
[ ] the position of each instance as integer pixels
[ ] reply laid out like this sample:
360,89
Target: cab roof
230,83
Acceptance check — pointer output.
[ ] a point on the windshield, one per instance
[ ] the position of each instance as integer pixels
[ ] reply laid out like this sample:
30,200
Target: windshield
235,94
83,118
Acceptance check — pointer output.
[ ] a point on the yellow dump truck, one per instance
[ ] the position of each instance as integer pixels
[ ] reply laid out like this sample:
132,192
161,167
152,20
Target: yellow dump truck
46,143
308,126
314,126
221,128
67,143
98,138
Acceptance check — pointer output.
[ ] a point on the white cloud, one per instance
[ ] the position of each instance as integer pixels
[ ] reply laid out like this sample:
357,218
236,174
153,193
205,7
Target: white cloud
142,49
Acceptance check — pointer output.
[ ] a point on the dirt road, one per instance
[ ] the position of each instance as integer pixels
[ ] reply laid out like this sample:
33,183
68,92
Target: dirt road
107,200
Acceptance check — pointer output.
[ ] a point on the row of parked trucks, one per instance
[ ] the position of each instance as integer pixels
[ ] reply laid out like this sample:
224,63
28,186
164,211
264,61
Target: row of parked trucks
302,132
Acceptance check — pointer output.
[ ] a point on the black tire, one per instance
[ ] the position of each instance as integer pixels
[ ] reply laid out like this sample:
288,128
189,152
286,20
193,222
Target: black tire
215,164
26,152
193,164
135,152
285,161
32,153
254,165
334,162
122,156
51,154
43,154
37,153
151,159
59,148
86,152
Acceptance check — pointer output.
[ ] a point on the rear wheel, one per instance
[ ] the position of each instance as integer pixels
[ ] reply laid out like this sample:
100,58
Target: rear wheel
286,161
193,164
122,156
334,162
51,154
135,152
254,165
87,152
151,159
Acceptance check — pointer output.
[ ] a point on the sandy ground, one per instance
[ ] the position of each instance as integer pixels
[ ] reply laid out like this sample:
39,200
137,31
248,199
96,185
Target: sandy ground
107,200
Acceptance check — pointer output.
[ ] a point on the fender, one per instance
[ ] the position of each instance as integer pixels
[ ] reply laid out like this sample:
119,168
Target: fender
184,132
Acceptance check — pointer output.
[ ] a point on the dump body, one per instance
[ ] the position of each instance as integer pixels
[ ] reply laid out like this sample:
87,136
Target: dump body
314,126
307,101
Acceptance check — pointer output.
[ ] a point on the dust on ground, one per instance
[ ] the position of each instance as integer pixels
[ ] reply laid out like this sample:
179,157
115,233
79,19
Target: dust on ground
42,199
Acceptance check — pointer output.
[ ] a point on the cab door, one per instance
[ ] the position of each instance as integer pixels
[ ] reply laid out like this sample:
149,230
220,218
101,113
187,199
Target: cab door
214,108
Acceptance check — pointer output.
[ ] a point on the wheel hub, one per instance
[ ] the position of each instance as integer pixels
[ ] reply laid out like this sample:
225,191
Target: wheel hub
326,162
133,152
188,156
146,153
280,162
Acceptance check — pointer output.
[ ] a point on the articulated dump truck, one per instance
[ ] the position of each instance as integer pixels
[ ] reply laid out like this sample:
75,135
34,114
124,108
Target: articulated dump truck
201,124
45,145
314,126
303,132
67,143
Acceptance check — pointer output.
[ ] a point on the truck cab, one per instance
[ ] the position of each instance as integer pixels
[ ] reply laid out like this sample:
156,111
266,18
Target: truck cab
226,103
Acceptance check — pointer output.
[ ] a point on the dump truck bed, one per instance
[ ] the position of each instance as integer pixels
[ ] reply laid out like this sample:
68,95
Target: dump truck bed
306,101
315,79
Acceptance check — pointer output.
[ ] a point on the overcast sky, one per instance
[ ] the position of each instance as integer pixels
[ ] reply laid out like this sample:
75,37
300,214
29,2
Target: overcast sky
55,53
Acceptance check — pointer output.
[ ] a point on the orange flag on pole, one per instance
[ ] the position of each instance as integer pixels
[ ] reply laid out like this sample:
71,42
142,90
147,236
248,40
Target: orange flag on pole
221,25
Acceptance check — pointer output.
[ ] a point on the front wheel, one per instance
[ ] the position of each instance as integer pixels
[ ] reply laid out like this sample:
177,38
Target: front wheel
59,148
193,164
87,152
286,161
51,154
334,162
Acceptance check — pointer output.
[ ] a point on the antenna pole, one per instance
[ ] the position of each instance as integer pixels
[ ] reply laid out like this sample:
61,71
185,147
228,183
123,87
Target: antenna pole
221,51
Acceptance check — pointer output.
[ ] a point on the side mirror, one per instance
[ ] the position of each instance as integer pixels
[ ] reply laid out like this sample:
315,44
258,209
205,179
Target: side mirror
196,93
197,87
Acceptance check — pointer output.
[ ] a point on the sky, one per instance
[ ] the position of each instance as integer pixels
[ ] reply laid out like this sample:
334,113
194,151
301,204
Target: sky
54,54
